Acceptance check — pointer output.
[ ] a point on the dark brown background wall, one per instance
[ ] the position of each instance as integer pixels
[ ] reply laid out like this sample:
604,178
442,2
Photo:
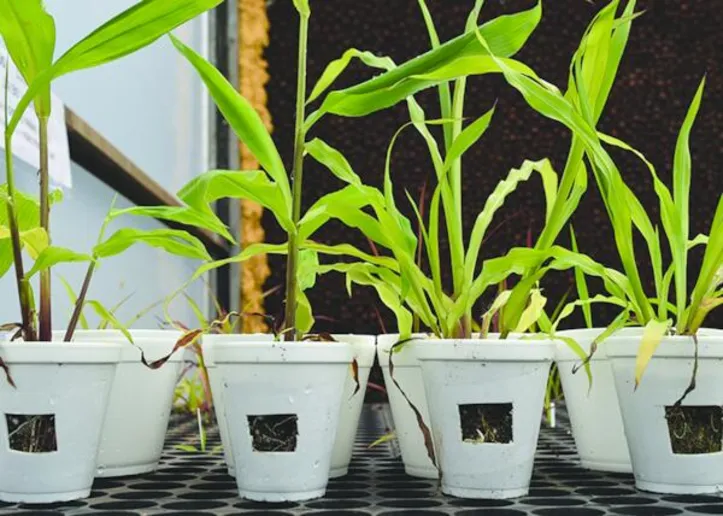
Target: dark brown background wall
672,45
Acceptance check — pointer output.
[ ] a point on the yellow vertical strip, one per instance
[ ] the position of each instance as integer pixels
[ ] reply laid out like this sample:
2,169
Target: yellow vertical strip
253,39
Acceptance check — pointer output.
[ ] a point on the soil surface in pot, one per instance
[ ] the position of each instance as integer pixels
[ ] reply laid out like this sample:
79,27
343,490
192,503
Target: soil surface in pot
31,433
274,433
486,422
695,430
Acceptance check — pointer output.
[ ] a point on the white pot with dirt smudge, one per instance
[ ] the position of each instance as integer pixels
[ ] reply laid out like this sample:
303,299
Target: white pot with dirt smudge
280,402
52,417
674,449
485,403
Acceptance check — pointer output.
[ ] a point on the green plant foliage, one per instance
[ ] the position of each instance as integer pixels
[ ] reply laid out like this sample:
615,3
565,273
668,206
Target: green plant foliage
451,314
508,34
29,35
51,256
28,31
627,215
131,30
172,241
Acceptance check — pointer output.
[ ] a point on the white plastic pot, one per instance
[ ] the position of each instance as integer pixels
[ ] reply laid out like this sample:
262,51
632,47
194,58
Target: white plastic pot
215,380
303,380
71,381
408,374
656,467
140,403
597,425
489,372
364,349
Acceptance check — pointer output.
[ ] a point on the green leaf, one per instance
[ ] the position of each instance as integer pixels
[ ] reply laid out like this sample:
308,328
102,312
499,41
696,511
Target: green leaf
581,285
201,319
347,206
246,254
199,218
308,268
333,160
253,185
496,200
445,94
652,337
471,24
335,68
304,313
73,298
681,197
52,256
363,274
351,251
467,138
106,316
569,308
173,241
343,103
242,117
29,35
32,237
553,105
710,276
131,30
27,209
506,35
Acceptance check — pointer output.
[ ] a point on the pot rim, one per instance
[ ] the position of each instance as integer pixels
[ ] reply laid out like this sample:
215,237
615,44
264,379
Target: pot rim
710,345
494,350
272,352
21,352
154,343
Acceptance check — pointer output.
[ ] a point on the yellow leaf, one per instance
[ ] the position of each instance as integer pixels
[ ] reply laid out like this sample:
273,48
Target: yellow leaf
652,337
498,303
532,312
35,240
383,439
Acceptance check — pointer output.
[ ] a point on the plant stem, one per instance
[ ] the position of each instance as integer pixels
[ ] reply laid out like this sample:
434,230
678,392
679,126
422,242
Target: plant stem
29,332
292,262
45,315
79,303
457,239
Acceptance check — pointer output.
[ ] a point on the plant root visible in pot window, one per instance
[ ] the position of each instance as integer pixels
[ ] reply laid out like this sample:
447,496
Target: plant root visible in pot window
274,433
695,430
32,433
486,423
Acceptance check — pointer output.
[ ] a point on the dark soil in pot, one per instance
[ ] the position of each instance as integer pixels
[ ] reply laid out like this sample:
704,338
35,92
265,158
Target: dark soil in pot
695,430
486,422
31,433
274,433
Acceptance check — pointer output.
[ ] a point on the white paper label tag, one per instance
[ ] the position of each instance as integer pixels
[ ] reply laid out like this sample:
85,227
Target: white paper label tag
25,138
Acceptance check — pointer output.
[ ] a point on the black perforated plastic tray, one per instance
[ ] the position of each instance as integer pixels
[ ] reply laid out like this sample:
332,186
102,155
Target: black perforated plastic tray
197,484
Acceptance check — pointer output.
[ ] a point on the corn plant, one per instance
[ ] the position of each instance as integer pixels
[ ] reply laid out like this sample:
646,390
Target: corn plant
660,315
28,31
400,282
271,187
